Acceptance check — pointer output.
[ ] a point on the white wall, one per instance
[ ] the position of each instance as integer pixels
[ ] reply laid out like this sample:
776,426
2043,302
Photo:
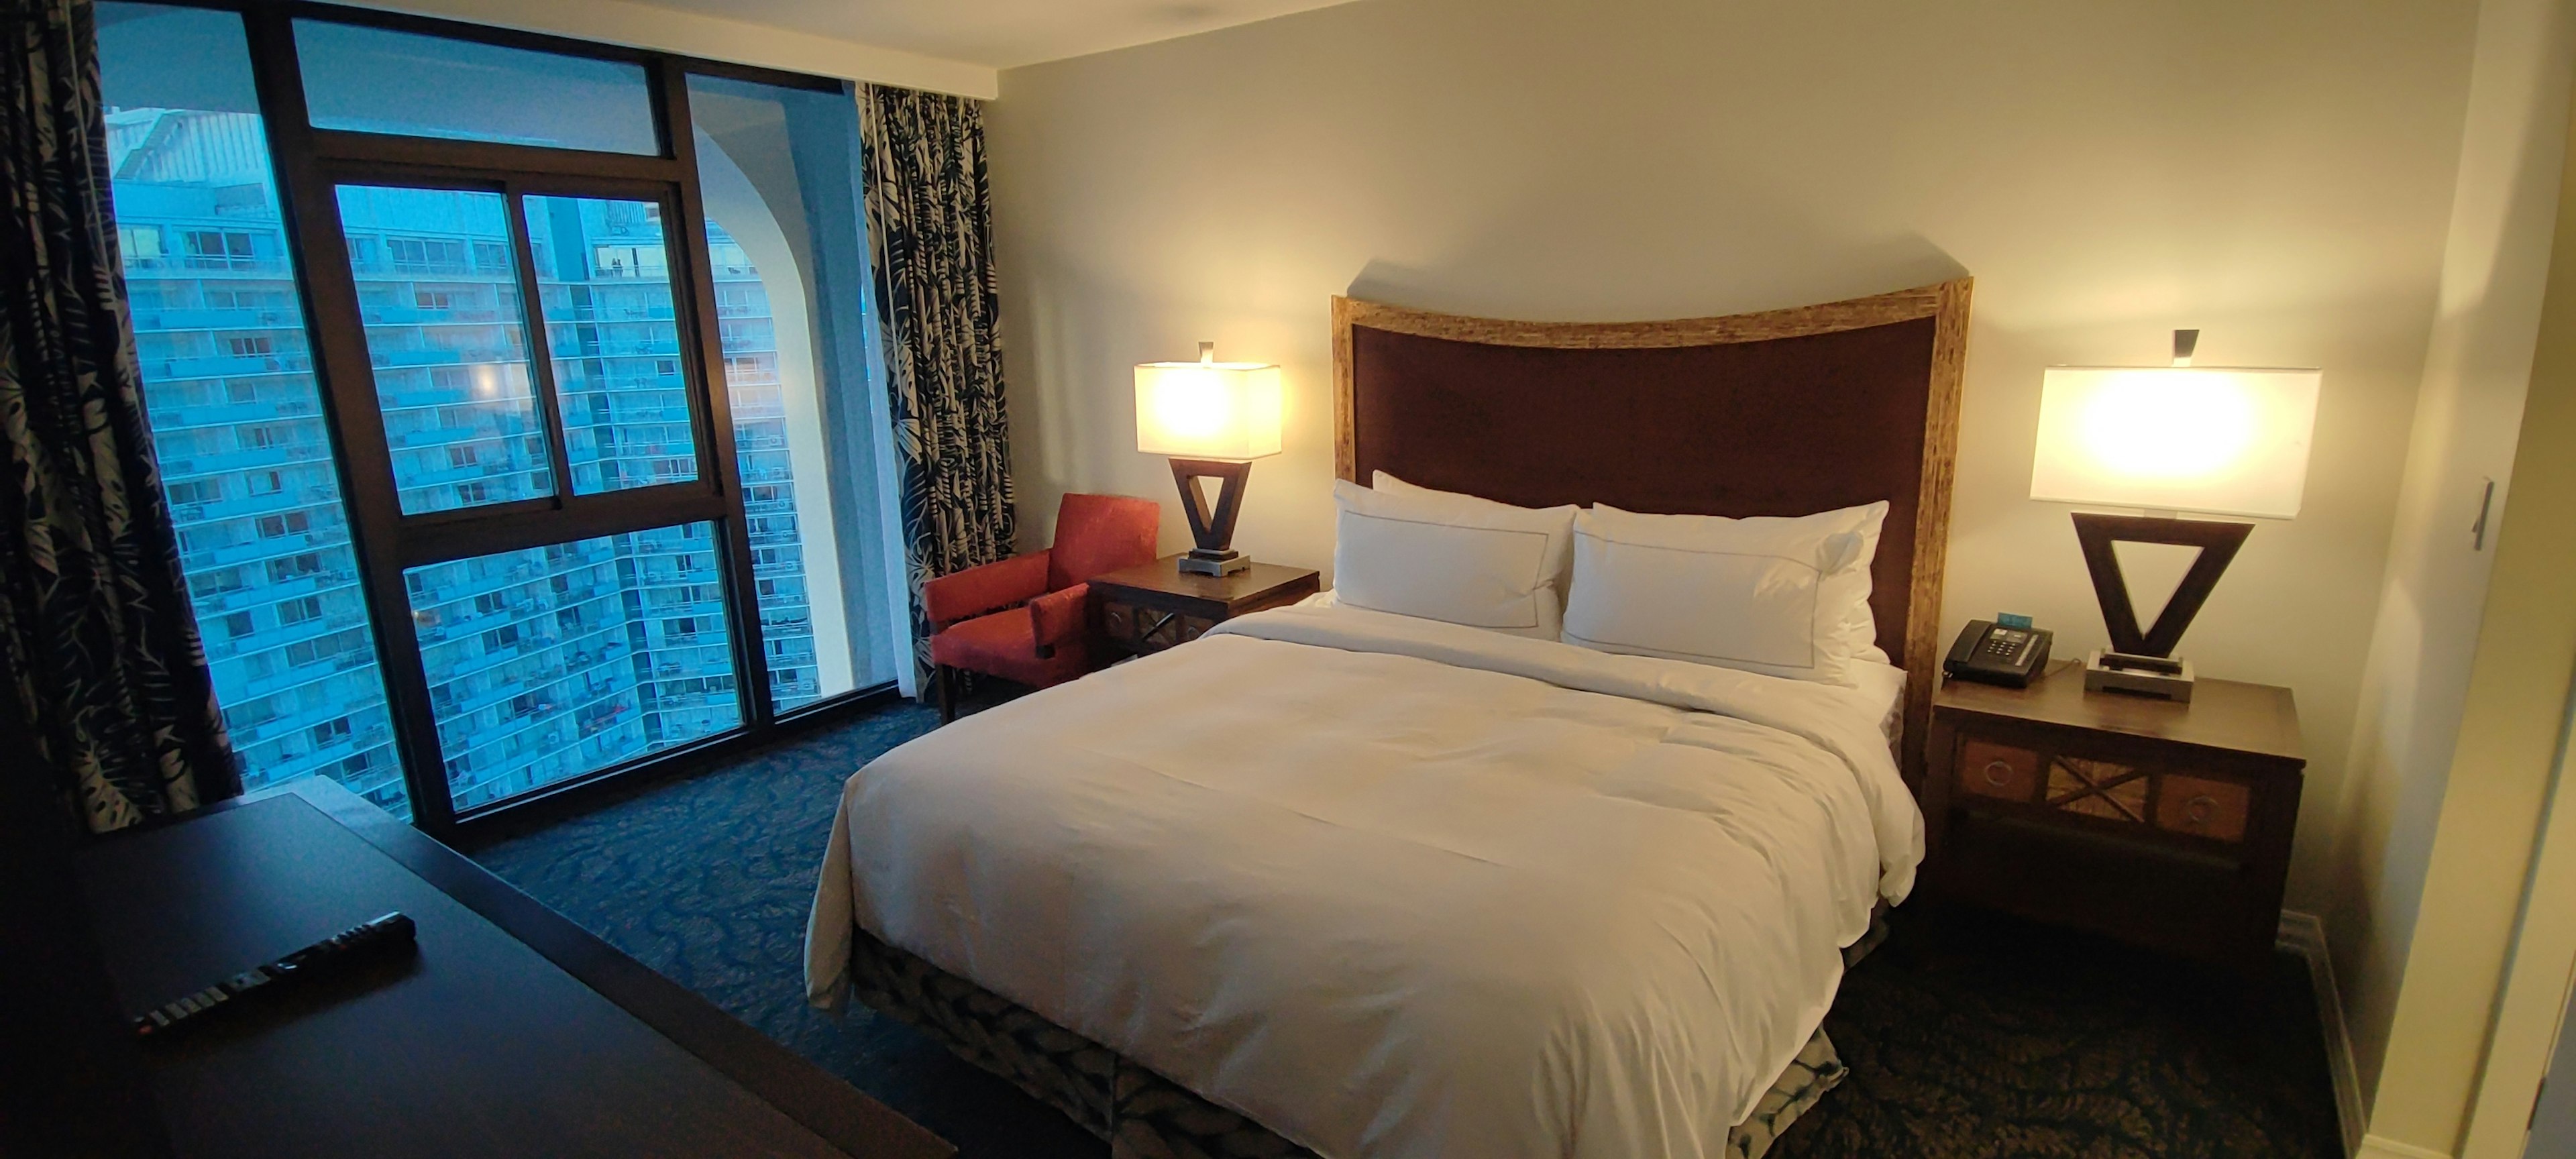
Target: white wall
2415,686
2277,174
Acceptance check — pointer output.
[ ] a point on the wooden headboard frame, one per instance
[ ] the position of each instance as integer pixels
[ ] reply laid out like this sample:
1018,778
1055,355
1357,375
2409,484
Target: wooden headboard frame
1783,412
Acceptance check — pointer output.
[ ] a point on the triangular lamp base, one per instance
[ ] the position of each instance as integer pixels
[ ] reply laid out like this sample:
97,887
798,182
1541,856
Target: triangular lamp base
2217,543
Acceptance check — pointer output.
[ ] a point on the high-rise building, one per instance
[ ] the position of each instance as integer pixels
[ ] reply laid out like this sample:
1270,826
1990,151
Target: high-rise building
544,663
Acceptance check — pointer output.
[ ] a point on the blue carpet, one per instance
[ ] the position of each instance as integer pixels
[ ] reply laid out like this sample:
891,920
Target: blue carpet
1966,1034
708,880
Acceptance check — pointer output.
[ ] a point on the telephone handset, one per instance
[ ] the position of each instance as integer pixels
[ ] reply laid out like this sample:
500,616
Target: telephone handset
1998,654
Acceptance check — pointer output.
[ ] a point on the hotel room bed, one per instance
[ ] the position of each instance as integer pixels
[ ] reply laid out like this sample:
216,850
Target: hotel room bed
1362,884
1390,886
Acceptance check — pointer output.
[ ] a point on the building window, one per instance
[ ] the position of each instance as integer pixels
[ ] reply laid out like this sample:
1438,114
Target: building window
414,255
606,649
281,526
195,491
210,249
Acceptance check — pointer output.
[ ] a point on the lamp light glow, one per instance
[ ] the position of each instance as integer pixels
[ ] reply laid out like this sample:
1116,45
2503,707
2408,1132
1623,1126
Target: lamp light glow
1208,409
2214,440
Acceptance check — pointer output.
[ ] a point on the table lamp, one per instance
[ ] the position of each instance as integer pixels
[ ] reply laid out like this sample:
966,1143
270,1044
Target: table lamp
1213,418
2169,439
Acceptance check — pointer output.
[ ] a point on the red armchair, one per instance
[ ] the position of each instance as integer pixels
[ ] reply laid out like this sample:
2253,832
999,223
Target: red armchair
1041,633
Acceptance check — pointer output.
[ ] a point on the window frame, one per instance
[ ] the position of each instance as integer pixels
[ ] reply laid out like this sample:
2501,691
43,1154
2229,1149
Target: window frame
310,165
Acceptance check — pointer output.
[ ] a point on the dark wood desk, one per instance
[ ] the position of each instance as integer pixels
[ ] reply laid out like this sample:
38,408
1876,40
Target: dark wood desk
513,1033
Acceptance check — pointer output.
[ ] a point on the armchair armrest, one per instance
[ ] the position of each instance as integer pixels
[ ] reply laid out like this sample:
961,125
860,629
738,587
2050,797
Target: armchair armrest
976,590
1060,617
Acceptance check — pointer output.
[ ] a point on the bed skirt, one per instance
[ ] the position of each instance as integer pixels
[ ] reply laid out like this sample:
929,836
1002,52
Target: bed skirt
1146,1116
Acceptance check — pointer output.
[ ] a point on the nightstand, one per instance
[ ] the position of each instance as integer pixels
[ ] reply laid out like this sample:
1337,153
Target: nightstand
1154,606
2163,824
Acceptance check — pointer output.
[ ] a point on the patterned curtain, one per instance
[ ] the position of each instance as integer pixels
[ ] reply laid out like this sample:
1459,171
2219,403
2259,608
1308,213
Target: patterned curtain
97,641
930,230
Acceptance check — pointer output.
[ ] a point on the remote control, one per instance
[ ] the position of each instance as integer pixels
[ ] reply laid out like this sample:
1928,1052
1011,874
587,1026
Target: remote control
389,936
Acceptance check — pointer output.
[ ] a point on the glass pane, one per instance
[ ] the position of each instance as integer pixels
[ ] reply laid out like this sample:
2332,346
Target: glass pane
604,289
374,80
777,168
438,287
236,418
553,662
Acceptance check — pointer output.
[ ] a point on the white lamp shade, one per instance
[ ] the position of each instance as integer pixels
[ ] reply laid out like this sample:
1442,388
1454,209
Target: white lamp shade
1208,410
2213,440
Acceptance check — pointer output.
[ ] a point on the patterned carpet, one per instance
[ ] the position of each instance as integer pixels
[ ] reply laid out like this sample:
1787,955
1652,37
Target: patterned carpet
1967,1035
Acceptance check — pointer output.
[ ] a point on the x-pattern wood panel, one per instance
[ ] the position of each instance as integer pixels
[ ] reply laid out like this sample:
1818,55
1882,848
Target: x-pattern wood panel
2098,788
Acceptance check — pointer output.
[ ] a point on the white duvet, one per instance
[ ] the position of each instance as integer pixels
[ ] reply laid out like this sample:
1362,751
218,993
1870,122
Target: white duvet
1392,887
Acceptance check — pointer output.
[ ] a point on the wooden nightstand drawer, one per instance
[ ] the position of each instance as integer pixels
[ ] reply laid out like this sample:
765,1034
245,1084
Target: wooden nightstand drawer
2168,824
2109,790
1141,630
1996,770
2203,807
1155,606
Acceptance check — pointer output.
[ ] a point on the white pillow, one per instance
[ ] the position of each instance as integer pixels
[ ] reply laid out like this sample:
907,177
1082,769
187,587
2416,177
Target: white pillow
1391,485
1779,596
1444,556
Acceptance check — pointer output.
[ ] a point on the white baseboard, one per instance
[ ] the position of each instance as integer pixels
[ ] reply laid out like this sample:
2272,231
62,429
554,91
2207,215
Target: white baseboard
2305,935
2374,1147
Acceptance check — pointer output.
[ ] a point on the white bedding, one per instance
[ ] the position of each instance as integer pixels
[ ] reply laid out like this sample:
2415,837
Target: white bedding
1393,887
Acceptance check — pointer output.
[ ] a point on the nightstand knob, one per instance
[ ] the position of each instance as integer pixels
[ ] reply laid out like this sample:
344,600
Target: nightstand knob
1998,773
2200,809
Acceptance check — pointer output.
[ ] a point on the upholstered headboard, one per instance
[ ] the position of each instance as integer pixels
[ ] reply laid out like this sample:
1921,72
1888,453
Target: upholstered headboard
1784,412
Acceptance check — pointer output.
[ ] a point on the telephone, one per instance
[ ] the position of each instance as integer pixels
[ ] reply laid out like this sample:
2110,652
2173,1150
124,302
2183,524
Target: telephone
1998,654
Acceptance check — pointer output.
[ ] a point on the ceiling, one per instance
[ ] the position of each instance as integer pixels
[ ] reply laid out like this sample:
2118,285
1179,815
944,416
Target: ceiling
998,33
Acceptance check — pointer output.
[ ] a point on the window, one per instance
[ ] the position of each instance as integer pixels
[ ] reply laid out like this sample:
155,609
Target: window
413,255
605,669
794,392
320,649
445,384
295,567
212,249
281,526
624,426
195,201
625,633
194,491
374,80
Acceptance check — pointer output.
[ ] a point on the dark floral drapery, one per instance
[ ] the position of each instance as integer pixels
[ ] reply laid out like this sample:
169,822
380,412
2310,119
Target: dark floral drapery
100,649
930,230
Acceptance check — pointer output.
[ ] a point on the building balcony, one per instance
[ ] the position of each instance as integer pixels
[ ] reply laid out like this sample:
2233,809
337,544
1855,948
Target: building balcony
229,366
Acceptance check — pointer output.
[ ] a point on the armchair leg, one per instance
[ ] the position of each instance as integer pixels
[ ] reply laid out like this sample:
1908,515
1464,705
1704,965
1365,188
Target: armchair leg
947,681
